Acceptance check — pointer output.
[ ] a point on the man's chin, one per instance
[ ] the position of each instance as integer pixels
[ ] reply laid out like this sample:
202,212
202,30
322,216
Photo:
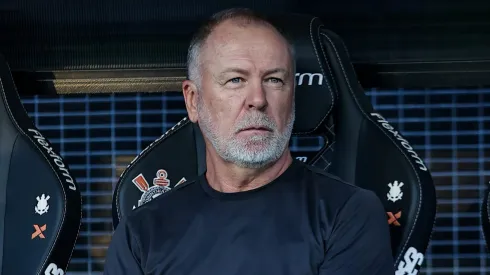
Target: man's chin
255,147
253,160
255,154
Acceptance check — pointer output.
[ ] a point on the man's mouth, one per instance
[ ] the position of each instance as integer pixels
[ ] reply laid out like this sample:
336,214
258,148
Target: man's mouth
256,128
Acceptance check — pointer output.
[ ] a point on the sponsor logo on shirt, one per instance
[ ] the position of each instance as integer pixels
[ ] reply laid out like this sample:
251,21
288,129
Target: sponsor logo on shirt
411,260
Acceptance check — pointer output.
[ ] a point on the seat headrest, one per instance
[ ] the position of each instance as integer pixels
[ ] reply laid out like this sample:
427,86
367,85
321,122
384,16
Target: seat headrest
38,195
315,92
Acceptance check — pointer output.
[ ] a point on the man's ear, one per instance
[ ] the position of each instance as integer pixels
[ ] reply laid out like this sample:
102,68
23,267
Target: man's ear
189,89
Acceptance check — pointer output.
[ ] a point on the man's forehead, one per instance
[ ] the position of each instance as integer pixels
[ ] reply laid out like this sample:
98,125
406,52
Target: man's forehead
231,27
246,70
237,44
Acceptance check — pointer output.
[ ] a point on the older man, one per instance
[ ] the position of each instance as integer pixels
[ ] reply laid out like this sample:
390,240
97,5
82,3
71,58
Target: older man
255,210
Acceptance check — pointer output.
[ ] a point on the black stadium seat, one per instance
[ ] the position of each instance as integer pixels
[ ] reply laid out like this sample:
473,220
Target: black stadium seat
360,145
40,202
485,217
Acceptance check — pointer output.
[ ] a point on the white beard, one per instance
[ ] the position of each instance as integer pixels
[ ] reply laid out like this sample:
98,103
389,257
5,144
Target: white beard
254,152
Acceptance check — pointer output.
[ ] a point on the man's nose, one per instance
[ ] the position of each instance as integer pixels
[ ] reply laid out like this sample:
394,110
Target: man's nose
256,98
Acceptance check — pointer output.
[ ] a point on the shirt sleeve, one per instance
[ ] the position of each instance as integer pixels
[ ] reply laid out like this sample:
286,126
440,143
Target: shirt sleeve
360,239
123,253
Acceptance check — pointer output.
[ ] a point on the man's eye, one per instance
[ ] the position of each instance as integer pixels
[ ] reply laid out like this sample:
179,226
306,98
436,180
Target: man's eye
275,80
235,80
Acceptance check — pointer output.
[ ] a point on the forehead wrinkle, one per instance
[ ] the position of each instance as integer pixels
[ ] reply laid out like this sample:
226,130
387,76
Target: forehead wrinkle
226,32
251,55
224,42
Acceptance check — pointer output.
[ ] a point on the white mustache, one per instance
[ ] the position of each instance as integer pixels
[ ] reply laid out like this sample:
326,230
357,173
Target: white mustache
256,119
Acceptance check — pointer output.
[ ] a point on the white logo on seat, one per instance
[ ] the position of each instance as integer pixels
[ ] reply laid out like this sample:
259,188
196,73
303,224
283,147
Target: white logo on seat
303,159
53,269
42,204
160,185
55,157
412,259
403,141
395,192
311,79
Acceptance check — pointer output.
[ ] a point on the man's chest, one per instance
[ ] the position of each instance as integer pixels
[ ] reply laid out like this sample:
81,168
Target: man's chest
242,245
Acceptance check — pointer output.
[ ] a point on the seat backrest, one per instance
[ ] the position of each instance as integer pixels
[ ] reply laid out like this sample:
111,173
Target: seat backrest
374,155
360,146
40,202
485,217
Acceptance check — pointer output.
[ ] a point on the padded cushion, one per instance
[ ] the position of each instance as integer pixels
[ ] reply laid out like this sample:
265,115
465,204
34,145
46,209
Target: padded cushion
40,202
485,217
314,83
360,147
374,155
167,161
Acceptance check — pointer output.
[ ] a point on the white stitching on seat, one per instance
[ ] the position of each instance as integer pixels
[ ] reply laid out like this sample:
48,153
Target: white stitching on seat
396,145
52,168
323,72
333,91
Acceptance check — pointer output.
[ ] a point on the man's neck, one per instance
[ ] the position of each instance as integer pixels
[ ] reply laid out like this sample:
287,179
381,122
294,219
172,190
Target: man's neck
229,178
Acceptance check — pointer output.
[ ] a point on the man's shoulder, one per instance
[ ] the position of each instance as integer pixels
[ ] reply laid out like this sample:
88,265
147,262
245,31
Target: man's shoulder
326,181
334,191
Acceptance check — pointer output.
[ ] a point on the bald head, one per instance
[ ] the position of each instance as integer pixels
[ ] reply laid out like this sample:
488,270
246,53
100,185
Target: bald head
220,30
241,89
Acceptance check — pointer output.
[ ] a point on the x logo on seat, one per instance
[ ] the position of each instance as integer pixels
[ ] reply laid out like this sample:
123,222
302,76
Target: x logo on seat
393,218
38,232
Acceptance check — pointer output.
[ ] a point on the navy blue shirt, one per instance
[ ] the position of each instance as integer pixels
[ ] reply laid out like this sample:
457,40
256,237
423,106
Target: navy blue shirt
304,222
